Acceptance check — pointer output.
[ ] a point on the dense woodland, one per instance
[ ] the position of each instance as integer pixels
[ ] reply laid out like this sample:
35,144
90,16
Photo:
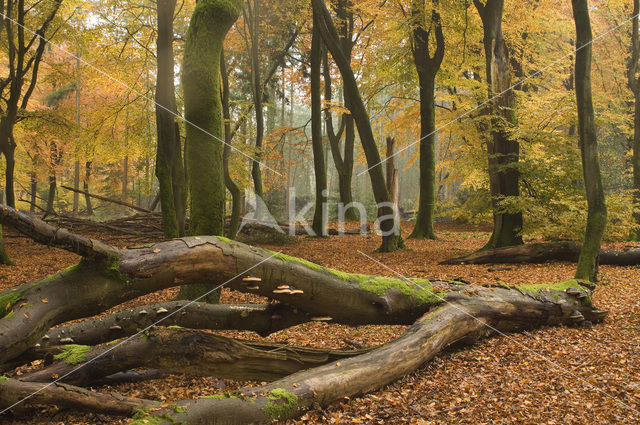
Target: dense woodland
237,140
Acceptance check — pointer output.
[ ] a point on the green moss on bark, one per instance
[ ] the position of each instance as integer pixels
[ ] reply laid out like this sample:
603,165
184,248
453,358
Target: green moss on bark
281,405
73,354
7,302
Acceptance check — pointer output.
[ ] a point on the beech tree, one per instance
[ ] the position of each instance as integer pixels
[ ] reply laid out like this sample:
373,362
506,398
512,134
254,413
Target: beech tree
503,152
633,80
201,83
427,65
597,209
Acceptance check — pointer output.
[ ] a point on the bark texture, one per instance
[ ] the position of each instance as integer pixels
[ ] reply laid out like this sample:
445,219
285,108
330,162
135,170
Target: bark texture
597,209
633,80
503,151
427,66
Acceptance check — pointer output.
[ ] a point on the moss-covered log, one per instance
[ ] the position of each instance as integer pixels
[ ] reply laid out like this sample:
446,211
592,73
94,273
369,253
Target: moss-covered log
468,316
543,252
187,351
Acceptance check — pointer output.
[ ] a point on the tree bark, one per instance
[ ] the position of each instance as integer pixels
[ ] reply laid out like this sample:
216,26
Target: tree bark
597,209
169,164
87,198
503,152
68,396
193,352
633,80
236,193
320,215
543,252
391,239
427,66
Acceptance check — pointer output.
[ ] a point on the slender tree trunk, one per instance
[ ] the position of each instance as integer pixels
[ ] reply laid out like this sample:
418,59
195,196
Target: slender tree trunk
76,168
319,166
597,209
34,191
503,152
51,197
236,193
85,185
427,66
391,239
634,85
169,163
253,9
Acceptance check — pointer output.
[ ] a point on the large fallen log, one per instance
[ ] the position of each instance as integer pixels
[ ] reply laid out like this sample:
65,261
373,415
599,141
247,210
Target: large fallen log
464,319
543,252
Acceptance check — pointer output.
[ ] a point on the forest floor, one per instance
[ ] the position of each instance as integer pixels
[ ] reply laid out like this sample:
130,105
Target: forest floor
553,375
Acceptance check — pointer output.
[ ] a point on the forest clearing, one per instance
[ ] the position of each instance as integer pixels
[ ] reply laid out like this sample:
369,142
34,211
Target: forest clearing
319,211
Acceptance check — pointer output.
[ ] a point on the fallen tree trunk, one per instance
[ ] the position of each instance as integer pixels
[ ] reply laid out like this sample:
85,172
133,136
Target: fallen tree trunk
464,319
442,314
543,252
107,277
264,319
68,396
187,351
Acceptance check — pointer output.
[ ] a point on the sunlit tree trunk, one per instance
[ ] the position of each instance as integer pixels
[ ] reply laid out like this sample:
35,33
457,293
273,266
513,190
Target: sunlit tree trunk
597,209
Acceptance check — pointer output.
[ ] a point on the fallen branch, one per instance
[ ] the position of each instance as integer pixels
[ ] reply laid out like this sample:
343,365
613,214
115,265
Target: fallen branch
264,319
543,252
187,351
104,198
68,396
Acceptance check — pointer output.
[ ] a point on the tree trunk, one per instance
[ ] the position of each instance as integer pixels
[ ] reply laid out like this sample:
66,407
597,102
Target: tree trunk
343,161
85,185
51,197
427,66
34,191
503,152
597,209
320,217
236,193
253,13
633,80
391,239
169,163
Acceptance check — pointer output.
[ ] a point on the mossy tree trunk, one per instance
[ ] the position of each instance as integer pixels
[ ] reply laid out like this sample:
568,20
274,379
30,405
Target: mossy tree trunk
442,313
427,66
391,239
597,209
210,22
503,152
319,224
169,164
633,78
